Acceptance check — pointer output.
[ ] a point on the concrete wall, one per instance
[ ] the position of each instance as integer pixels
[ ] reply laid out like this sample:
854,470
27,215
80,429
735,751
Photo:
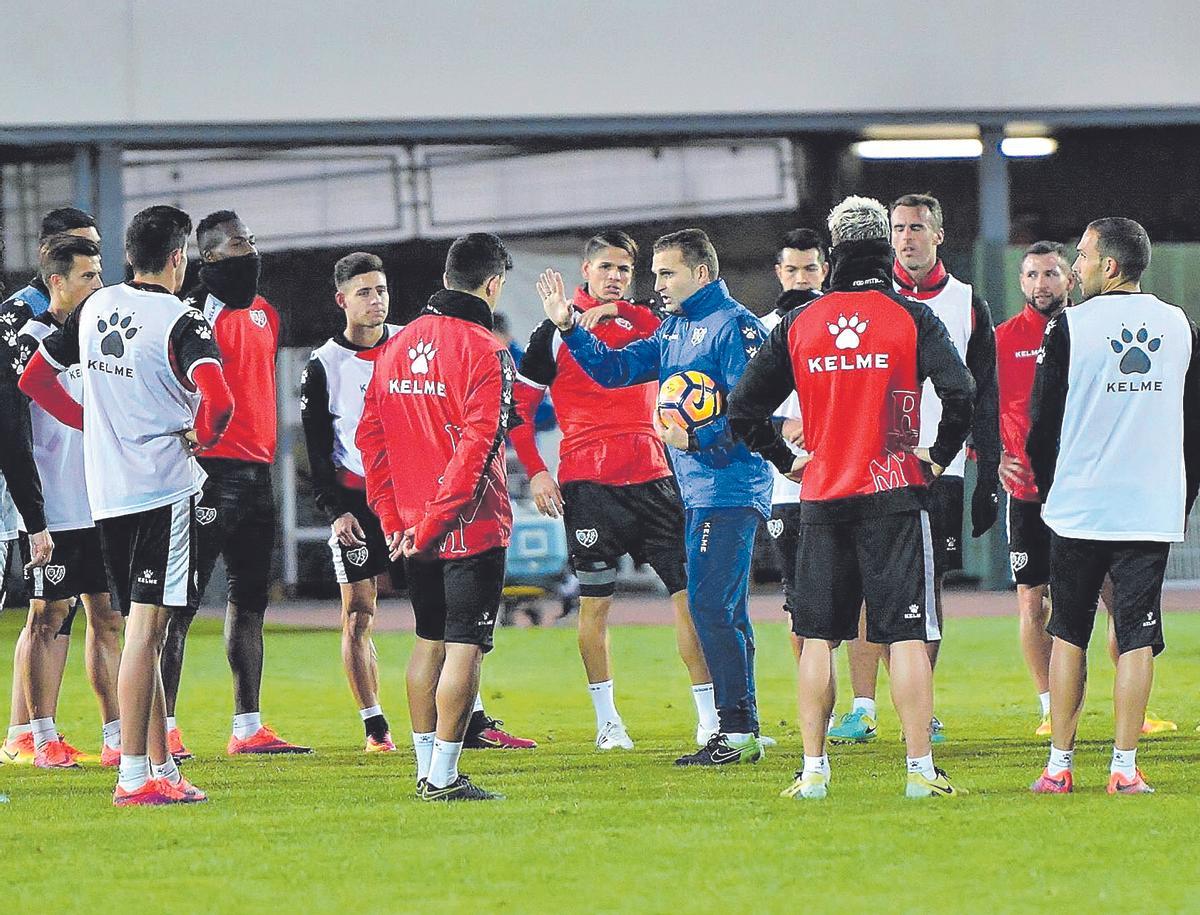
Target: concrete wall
176,61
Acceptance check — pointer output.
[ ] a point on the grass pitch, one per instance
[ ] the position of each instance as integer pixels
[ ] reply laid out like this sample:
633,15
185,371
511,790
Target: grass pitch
585,831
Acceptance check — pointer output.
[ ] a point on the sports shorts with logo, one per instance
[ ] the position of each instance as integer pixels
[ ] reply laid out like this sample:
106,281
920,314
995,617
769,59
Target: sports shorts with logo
1028,543
235,518
368,559
1077,570
605,522
945,502
886,559
457,600
783,528
150,556
76,567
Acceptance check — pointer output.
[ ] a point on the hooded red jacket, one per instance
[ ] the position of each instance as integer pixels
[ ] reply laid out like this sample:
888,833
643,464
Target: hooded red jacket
437,410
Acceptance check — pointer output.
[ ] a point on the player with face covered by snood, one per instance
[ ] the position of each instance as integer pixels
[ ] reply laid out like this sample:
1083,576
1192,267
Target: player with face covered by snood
236,512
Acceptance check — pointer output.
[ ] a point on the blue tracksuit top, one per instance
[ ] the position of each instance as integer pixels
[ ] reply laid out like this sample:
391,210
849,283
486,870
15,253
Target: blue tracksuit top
713,334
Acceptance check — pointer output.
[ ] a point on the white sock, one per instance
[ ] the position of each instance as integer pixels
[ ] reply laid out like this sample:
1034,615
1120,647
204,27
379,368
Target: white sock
423,745
17,730
171,725
737,738
1124,761
246,725
922,764
112,734
371,712
817,764
478,704
867,706
832,721
443,769
44,731
168,770
134,772
1044,699
602,700
706,706
1060,761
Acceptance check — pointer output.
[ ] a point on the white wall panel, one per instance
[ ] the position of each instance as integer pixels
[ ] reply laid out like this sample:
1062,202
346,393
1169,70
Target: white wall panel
176,61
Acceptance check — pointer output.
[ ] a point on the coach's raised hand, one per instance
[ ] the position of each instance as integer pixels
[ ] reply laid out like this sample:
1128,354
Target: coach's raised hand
554,300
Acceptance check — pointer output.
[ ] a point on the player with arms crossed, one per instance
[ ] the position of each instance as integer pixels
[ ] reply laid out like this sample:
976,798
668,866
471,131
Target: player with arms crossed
617,495
153,392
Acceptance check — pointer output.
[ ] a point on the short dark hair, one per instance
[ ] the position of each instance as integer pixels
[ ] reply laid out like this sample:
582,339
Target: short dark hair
58,254
610,239
64,219
207,236
920,200
473,259
694,246
1125,241
355,264
153,234
1047,247
802,240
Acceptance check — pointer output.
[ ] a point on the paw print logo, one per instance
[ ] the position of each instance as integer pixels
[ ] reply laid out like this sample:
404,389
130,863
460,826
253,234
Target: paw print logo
847,333
10,337
116,330
1134,347
203,331
24,354
421,355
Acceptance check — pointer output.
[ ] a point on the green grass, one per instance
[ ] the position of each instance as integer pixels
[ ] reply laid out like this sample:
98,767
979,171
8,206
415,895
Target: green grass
583,831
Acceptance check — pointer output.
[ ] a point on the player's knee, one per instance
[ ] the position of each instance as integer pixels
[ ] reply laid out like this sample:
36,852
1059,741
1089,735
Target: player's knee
597,577
360,620
45,621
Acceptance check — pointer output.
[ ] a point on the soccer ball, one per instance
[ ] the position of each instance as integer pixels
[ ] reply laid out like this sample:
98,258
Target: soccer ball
689,400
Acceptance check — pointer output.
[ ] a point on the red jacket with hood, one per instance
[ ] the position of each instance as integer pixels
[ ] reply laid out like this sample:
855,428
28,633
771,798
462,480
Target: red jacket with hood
437,410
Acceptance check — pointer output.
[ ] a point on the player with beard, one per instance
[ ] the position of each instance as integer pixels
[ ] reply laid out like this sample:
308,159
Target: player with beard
1046,283
617,493
1114,445
235,513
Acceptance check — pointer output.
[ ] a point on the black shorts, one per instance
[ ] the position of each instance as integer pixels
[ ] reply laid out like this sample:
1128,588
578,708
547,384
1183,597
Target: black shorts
945,501
604,522
150,556
235,518
359,563
888,560
1028,543
1077,570
784,531
77,567
457,600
